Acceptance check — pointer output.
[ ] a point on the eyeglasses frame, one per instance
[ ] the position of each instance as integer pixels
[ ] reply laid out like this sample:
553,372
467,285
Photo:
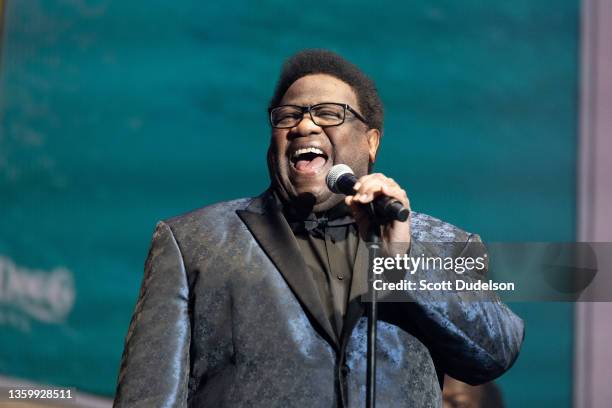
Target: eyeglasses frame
309,108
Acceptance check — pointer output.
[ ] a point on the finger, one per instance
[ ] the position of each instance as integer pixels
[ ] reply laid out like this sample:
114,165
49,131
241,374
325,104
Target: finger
372,190
369,194
367,178
372,187
398,193
376,179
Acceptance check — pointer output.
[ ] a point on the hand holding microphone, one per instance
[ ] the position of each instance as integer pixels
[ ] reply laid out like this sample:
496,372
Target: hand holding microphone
388,199
341,180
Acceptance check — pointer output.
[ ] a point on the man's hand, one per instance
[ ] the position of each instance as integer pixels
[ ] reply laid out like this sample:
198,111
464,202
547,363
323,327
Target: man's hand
366,189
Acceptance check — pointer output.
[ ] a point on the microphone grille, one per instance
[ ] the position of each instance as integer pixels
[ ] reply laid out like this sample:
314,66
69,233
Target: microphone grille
334,174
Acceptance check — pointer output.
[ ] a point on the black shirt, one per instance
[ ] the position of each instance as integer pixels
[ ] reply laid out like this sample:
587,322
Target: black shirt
328,242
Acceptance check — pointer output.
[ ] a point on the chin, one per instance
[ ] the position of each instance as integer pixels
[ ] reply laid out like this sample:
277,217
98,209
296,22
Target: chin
319,191
326,201
314,199
327,204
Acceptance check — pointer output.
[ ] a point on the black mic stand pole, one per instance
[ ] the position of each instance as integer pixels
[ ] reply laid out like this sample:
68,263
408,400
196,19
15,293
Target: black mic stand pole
374,241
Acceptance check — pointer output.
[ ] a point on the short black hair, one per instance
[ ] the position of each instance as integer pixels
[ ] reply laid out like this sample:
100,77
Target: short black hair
320,61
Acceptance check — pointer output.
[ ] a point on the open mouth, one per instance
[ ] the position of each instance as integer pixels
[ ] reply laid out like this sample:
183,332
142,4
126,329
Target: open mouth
308,159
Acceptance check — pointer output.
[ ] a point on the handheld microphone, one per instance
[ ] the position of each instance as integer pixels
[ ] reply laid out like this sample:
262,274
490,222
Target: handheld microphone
341,180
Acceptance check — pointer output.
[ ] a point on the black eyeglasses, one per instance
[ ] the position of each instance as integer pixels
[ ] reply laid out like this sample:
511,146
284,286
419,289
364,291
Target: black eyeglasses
322,114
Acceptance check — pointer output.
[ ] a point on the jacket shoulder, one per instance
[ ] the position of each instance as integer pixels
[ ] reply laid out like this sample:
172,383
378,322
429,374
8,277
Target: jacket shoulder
220,212
426,228
209,225
206,231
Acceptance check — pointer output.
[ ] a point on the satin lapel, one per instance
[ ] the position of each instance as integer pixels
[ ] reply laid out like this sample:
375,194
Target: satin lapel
270,229
359,286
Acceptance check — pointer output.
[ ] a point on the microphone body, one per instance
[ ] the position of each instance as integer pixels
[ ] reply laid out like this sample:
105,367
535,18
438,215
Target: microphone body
341,180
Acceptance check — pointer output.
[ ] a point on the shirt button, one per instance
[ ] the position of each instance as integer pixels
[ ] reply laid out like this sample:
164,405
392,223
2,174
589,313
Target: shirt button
340,277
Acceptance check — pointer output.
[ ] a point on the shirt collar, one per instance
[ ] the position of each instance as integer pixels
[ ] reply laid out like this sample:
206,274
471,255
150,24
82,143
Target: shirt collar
337,216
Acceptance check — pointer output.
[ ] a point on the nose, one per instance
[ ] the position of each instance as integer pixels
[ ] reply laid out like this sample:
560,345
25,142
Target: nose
306,127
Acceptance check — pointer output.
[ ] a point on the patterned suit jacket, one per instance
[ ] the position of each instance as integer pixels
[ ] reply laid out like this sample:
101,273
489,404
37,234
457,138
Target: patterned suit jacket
229,316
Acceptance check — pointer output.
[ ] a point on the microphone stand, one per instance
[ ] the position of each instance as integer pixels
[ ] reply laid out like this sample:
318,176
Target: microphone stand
374,241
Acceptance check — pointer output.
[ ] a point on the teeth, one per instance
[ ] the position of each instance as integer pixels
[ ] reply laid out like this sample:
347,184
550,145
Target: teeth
307,150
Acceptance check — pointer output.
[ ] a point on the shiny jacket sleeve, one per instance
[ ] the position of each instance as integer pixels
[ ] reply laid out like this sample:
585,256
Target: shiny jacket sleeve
474,340
154,368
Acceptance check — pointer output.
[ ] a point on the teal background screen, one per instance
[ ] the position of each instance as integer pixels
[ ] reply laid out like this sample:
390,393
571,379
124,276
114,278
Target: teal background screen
116,114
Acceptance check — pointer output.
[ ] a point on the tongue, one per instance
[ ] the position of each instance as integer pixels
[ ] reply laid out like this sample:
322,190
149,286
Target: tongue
310,165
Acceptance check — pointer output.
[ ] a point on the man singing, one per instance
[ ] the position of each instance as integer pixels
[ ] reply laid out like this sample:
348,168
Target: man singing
257,302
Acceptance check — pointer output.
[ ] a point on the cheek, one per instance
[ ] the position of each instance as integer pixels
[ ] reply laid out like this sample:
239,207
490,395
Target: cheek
278,142
357,159
351,150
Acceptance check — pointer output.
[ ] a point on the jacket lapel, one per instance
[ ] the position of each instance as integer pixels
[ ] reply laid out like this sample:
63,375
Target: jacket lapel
269,227
359,287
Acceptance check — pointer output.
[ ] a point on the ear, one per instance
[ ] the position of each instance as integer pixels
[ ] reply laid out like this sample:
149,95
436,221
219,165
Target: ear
373,137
